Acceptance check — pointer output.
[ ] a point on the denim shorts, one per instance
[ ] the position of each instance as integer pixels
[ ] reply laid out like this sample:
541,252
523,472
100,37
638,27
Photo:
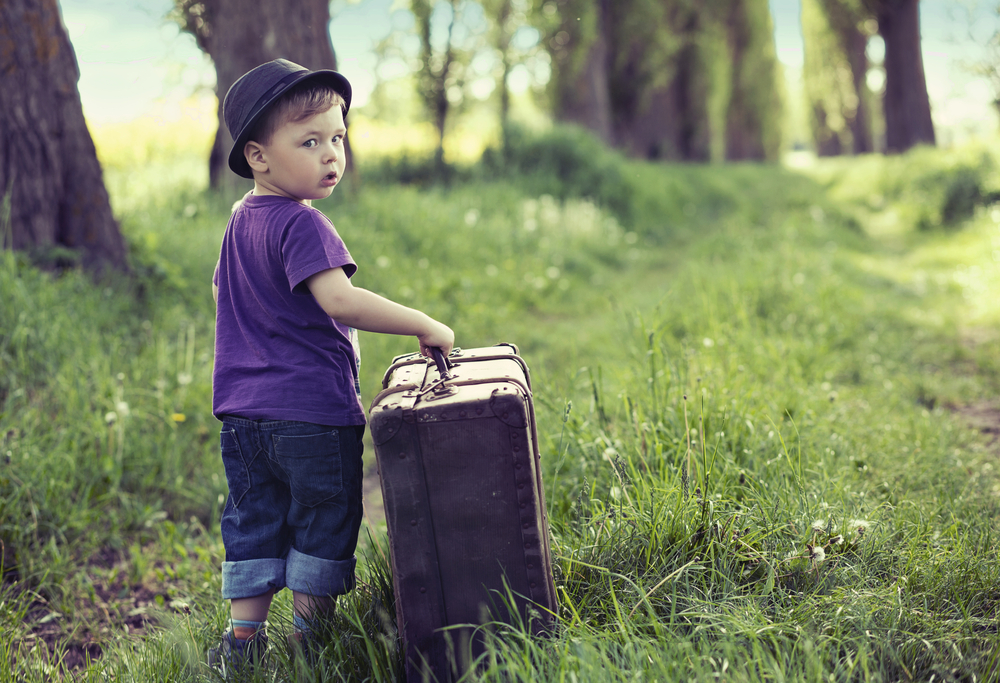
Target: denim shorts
294,506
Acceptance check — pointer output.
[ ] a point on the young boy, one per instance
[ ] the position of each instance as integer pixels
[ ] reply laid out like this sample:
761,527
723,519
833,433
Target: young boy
286,367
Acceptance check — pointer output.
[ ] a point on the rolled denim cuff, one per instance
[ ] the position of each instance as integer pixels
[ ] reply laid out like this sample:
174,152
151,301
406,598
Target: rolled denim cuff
250,578
316,576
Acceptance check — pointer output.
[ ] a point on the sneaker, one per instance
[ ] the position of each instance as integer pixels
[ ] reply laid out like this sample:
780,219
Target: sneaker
233,656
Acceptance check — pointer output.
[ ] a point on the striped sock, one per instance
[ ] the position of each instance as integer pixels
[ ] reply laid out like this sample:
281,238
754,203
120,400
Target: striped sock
244,627
303,625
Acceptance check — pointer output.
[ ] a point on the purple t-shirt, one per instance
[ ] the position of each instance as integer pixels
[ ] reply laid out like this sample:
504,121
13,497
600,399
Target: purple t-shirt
278,355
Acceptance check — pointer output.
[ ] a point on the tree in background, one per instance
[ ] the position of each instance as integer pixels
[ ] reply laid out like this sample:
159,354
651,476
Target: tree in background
658,108
51,183
573,31
511,17
753,120
835,70
674,79
504,29
905,104
439,66
836,34
241,34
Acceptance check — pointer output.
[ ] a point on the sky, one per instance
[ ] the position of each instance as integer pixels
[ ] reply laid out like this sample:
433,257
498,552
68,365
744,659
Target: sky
134,62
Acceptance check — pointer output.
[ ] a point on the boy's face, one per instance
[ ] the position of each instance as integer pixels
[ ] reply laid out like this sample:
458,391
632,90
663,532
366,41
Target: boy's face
304,159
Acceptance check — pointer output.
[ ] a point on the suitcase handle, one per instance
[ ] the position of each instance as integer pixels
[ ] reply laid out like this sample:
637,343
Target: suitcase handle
443,364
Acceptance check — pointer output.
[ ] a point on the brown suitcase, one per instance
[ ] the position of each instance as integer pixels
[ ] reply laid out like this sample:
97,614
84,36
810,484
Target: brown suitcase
457,455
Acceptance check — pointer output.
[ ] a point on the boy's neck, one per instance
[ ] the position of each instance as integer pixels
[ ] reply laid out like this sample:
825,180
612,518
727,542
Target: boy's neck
260,190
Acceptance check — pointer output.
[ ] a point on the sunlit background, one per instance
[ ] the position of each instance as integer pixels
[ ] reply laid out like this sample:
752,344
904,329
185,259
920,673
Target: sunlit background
136,63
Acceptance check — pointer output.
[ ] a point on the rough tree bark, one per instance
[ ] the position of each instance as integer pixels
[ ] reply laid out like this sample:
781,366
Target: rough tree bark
906,105
50,180
241,34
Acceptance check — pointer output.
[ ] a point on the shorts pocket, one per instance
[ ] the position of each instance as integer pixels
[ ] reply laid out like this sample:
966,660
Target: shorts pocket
237,472
313,466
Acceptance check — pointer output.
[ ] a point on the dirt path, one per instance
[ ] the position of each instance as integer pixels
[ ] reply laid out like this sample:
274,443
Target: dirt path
984,416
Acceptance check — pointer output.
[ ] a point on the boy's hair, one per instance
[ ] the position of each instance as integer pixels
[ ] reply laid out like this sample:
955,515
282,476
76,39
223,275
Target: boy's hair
295,105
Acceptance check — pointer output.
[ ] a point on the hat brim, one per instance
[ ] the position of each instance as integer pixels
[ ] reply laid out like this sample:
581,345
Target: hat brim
237,160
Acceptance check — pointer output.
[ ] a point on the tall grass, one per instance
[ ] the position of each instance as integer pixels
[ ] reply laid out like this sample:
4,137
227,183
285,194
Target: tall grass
746,395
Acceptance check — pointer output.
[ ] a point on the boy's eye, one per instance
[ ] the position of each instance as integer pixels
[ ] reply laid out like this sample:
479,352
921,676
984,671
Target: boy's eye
311,142
337,139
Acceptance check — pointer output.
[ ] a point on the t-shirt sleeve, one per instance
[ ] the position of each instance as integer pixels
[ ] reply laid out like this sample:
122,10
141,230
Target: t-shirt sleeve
312,245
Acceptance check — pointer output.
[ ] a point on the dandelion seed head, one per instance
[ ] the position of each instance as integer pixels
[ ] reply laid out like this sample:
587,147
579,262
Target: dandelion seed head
837,540
819,524
184,378
111,417
816,553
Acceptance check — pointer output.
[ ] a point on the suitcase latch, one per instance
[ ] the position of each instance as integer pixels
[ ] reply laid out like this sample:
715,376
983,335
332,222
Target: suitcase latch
438,389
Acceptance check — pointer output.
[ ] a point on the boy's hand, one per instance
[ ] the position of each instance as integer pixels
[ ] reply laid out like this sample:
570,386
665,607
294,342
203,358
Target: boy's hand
440,335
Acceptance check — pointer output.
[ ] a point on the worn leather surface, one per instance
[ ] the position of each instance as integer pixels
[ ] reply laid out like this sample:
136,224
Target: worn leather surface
464,504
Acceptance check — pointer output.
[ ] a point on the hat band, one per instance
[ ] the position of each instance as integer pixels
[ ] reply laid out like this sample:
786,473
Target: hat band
264,99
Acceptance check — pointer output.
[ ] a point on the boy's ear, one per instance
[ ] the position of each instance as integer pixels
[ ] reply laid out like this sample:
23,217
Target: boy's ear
255,156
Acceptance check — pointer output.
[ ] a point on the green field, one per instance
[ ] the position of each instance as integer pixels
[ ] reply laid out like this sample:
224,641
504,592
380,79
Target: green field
761,393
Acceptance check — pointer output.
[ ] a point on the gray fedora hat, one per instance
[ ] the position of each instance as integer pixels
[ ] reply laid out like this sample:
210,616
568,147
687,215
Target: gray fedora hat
255,91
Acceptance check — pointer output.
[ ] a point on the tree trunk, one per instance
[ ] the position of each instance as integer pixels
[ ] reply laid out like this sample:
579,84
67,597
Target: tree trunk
435,70
668,121
50,180
241,34
580,56
845,19
754,113
855,47
504,34
907,107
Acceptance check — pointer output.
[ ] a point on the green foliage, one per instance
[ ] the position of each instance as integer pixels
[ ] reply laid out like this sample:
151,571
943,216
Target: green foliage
564,162
750,467
753,116
925,188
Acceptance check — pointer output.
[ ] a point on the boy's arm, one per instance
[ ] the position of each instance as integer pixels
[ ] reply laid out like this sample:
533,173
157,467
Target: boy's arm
368,311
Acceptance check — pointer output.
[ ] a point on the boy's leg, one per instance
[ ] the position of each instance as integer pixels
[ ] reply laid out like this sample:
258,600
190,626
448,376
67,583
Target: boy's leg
249,614
256,542
324,471
308,609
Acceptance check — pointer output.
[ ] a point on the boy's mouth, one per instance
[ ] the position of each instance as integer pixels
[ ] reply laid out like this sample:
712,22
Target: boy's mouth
329,180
